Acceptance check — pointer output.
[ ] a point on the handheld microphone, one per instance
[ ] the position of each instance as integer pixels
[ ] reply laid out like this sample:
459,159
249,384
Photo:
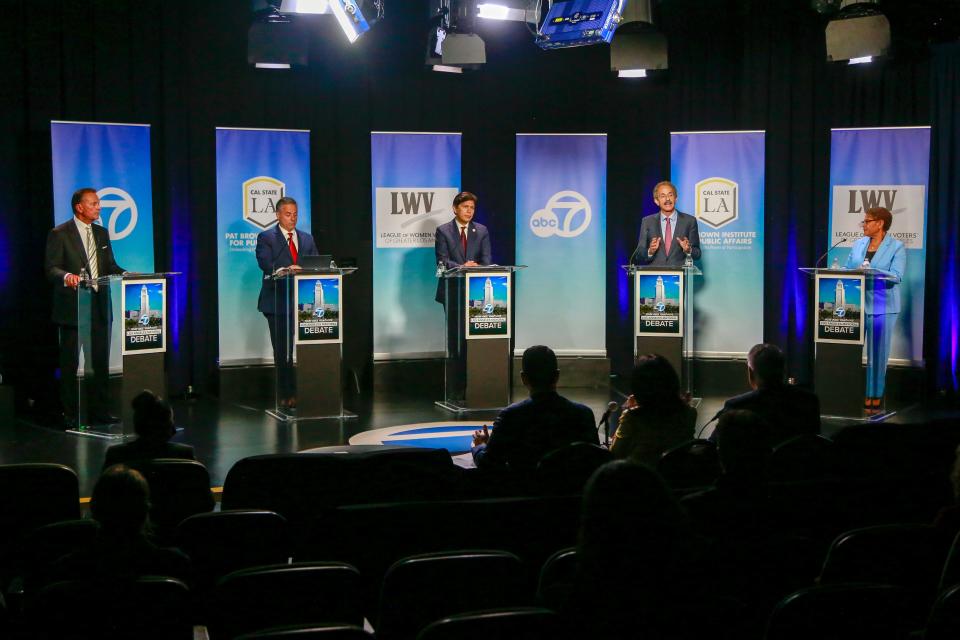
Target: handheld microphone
827,252
605,420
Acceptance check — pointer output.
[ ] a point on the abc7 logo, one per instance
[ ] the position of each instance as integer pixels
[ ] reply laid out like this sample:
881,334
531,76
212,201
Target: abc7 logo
545,222
121,202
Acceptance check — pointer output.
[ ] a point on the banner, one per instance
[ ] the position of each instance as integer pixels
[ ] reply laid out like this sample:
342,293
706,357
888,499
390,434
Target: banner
886,167
720,180
659,300
144,304
255,168
415,177
839,308
114,159
319,312
488,305
561,236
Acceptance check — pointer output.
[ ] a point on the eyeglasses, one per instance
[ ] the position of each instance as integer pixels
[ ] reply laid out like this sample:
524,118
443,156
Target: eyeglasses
866,221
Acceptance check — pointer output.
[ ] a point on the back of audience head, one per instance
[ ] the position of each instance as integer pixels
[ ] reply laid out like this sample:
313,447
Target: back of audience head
655,383
766,365
121,501
152,416
539,368
743,443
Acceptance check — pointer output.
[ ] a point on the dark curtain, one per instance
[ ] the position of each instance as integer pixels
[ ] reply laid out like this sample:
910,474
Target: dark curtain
734,64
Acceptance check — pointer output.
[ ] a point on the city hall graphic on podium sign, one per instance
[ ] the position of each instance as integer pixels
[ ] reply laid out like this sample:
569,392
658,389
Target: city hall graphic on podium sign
659,303
839,308
144,312
488,305
317,301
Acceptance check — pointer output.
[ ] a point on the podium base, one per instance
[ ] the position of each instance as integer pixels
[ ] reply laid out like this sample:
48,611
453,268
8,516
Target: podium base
291,416
111,432
453,407
874,418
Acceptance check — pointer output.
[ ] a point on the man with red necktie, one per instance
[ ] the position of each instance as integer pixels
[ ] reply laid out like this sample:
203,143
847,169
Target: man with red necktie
668,236
280,248
461,242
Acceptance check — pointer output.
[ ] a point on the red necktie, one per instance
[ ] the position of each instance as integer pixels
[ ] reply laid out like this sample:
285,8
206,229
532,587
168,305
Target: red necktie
293,247
667,238
463,241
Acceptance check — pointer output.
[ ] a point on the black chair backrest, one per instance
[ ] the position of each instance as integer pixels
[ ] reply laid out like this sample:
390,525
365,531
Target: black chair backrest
35,494
838,612
226,541
321,632
46,544
950,575
419,590
806,457
518,623
944,621
297,594
178,490
689,465
557,579
566,470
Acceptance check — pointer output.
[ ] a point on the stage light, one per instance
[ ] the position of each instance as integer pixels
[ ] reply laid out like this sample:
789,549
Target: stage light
575,23
272,65
451,41
863,60
858,30
356,17
274,42
514,10
313,7
442,68
638,46
493,11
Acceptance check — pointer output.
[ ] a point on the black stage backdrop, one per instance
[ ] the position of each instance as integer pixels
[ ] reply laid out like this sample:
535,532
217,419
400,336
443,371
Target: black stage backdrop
181,67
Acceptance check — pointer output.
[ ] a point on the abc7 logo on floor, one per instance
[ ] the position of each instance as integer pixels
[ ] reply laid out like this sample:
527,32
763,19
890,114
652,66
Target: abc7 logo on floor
561,216
120,202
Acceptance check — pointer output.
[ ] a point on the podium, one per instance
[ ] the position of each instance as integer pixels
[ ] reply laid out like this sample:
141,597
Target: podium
479,315
839,326
663,315
308,356
130,349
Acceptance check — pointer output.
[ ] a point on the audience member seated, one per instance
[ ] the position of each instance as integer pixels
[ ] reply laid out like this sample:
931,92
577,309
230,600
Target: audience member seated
121,549
788,410
526,431
153,424
641,571
656,417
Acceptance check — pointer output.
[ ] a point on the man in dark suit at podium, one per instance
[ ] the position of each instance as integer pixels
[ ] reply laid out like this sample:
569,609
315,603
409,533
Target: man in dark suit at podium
278,249
73,247
668,236
461,242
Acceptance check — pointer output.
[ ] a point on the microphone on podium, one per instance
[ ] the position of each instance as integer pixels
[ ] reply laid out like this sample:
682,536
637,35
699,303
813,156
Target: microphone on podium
827,252
605,421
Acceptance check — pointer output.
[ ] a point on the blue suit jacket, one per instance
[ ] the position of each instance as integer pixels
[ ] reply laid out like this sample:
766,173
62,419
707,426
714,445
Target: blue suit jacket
449,249
650,229
273,252
882,296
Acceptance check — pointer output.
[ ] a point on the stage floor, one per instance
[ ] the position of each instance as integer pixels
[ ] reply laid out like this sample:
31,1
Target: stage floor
223,433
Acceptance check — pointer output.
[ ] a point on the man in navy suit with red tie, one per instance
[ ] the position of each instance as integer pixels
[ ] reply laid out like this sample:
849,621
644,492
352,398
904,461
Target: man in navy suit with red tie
279,249
461,242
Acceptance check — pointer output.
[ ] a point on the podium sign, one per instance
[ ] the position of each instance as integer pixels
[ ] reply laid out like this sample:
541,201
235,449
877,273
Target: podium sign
839,308
319,312
144,304
659,303
488,312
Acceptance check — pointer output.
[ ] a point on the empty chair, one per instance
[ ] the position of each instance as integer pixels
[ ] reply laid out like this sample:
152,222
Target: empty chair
226,541
178,490
805,457
690,465
557,579
519,623
321,632
298,594
567,469
421,589
841,612
944,621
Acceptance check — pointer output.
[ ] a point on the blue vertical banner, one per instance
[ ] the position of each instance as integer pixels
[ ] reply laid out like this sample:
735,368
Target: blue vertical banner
414,177
720,179
890,168
255,168
114,159
561,236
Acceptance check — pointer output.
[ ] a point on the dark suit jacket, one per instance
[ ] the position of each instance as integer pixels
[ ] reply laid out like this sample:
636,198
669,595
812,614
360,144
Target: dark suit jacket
788,410
141,449
650,229
449,249
65,254
526,431
273,252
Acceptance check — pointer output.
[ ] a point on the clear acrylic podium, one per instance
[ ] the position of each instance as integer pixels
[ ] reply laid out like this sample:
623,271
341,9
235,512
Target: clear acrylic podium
840,378
479,313
308,359
121,338
663,315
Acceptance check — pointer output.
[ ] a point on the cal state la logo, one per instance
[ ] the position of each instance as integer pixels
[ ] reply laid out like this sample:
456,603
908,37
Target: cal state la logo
717,201
260,197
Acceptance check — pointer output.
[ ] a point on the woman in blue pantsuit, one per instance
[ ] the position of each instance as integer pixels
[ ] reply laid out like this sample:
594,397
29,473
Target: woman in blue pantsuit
882,298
